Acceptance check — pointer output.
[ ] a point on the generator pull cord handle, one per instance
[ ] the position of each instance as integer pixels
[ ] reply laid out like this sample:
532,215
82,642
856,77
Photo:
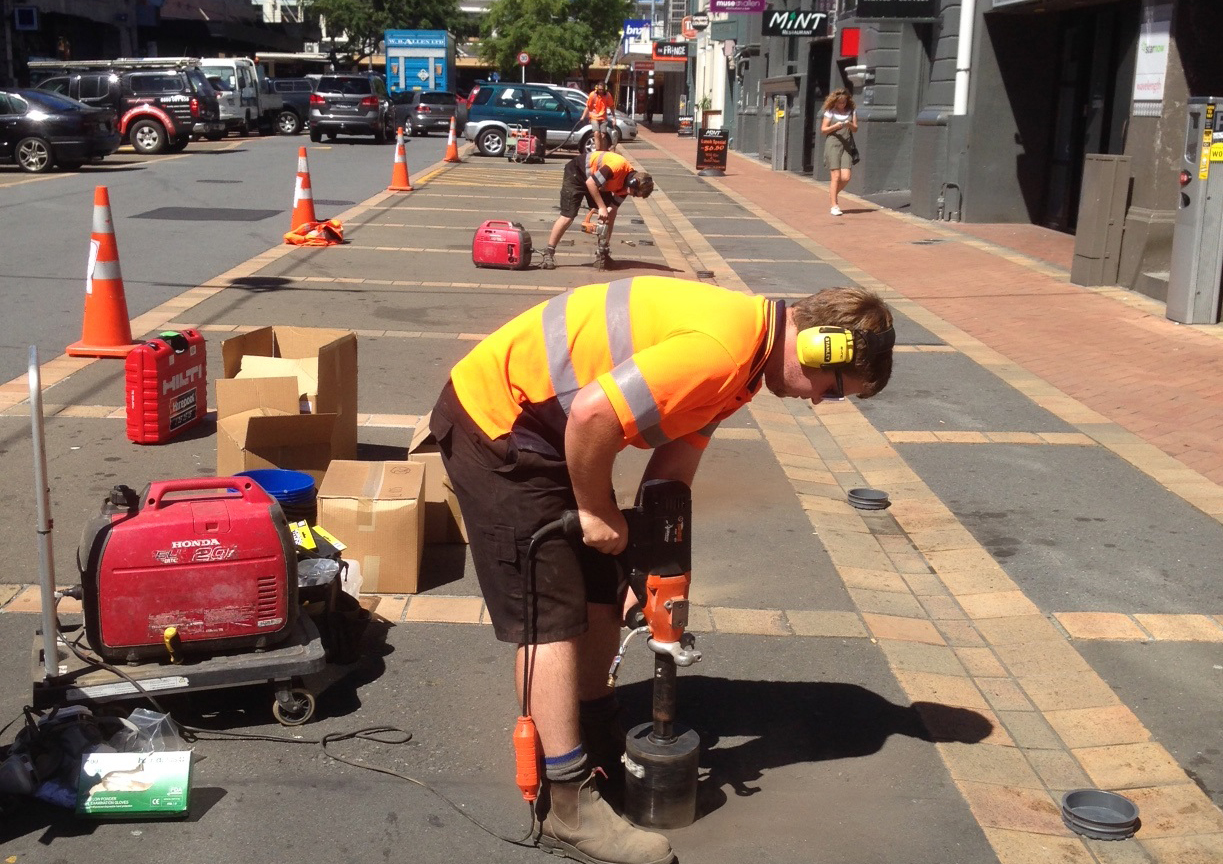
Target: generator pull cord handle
42,495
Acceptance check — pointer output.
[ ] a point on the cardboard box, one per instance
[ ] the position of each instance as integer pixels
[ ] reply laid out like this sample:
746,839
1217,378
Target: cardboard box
259,426
130,785
377,510
443,520
324,363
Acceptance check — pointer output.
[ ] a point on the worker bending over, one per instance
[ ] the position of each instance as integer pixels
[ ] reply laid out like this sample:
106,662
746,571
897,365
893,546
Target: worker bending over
598,108
530,425
603,180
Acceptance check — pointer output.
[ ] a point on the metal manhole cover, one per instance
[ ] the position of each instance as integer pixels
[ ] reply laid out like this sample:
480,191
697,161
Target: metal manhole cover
207,214
332,202
929,242
218,181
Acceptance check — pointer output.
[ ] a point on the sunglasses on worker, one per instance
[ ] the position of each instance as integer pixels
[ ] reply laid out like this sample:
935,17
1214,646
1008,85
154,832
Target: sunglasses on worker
835,393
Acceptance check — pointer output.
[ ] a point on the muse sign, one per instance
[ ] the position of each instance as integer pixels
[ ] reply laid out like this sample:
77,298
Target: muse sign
782,22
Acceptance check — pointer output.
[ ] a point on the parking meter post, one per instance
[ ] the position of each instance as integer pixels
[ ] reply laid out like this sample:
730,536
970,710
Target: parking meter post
1197,239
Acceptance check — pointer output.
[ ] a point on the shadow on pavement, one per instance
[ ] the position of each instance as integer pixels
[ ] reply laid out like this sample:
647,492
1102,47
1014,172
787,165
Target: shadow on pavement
749,727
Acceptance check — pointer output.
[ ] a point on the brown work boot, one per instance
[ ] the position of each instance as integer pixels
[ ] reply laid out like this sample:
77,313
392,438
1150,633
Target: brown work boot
577,823
549,263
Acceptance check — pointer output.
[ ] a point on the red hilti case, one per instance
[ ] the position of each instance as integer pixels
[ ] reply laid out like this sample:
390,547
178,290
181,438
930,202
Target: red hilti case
167,387
212,557
502,245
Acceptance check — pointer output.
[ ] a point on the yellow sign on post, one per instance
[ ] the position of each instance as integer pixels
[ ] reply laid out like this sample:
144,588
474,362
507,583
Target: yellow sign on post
781,114
1216,152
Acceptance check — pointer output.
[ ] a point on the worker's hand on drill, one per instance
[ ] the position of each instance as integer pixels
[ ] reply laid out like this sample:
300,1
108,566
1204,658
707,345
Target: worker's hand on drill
605,531
603,214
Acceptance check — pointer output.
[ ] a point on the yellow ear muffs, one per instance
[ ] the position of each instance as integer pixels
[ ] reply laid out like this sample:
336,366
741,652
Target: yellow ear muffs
825,346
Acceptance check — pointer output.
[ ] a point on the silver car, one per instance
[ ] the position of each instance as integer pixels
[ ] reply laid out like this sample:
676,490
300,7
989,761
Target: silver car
353,105
626,126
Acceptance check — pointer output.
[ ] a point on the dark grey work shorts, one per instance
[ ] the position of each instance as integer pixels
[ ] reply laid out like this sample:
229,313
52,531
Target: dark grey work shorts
506,494
574,191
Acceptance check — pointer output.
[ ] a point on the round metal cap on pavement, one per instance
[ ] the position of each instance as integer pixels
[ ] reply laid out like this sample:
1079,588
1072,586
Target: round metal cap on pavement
869,499
1099,815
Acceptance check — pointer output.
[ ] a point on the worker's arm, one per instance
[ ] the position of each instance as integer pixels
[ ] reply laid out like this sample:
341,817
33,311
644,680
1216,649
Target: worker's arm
593,186
675,460
593,437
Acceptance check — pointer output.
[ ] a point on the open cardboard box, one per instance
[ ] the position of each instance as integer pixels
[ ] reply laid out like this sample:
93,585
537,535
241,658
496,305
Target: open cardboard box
259,426
377,510
322,361
443,520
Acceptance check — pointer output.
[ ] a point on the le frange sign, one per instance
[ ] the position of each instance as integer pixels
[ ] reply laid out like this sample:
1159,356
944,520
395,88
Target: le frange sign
782,22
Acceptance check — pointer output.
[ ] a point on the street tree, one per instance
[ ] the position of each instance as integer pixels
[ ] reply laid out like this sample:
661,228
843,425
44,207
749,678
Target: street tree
560,35
365,21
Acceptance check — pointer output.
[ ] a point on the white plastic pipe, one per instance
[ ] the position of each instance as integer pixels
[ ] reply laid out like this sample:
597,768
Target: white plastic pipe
963,54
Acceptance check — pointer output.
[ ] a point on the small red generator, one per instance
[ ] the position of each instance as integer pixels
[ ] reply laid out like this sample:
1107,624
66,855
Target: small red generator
202,565
502,245
167,387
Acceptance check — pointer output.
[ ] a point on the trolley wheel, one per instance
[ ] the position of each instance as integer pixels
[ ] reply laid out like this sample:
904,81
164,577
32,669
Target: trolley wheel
293,707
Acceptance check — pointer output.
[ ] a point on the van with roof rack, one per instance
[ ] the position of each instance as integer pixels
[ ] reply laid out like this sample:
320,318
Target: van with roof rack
160,101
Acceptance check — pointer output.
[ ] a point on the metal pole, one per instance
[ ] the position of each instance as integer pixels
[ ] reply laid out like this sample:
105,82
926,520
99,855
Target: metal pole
42,497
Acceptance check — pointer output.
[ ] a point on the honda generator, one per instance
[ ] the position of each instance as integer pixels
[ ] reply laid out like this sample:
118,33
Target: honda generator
204,565
501,245
166,387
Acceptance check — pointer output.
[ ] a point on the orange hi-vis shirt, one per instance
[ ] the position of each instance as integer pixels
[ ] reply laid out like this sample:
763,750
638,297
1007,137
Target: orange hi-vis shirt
673,357
597,105
610,170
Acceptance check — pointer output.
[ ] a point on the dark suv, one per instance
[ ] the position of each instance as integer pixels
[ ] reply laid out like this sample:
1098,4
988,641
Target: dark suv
421,111
158,108
352,104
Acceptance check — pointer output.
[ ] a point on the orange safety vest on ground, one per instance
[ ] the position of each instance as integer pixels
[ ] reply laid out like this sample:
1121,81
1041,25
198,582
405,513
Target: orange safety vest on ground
610,170
597,105
673,357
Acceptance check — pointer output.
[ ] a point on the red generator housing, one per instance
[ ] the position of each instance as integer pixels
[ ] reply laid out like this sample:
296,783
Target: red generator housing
212,557
501,245
167,387
529,146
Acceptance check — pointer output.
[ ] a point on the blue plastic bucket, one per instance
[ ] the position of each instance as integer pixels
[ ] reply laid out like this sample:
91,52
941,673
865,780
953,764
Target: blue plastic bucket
294,490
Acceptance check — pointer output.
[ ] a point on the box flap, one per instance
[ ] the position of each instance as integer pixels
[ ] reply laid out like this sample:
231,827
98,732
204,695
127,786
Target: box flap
238,396
294,430
305,369
381,481
306,341
422,438
261,342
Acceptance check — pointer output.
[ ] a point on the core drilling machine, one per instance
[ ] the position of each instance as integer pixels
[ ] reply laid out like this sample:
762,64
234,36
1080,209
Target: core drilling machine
660,760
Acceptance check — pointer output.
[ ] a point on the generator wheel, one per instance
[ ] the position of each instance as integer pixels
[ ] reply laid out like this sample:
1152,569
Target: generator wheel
293,707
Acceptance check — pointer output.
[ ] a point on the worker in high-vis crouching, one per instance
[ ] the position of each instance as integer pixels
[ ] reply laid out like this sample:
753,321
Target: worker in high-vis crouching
529,426
602,179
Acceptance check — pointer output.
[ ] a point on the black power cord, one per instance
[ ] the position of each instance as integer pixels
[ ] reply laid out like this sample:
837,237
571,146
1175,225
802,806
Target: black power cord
380,734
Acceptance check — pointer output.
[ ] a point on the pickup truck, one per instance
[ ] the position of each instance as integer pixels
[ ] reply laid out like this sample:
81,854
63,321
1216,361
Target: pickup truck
295,111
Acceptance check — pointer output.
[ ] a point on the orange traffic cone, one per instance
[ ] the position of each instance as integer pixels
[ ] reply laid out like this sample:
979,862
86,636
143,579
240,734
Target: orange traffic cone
107,331
303,198
399,170
452,148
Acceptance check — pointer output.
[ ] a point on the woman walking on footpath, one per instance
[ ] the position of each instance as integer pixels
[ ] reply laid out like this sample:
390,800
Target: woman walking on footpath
839,124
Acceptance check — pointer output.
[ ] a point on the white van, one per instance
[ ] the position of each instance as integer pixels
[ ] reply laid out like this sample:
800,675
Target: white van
245,105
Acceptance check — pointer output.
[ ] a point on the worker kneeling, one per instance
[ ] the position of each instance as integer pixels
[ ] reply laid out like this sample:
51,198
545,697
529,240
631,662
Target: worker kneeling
602,179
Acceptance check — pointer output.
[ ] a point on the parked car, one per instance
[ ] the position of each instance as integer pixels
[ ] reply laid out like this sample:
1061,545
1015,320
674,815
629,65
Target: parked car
160,103
421,111
495,107
40,129
353,105
295,112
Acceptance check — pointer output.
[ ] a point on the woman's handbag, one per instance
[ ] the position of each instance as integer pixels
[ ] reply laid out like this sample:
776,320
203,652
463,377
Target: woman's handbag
851,147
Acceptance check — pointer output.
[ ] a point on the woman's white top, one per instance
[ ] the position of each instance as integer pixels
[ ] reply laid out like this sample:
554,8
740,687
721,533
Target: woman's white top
837,116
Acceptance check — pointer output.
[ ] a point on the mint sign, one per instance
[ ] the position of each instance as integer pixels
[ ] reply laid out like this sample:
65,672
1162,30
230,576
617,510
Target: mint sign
782,22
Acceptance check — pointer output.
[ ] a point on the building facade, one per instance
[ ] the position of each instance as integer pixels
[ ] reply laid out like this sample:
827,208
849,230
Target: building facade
986,110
